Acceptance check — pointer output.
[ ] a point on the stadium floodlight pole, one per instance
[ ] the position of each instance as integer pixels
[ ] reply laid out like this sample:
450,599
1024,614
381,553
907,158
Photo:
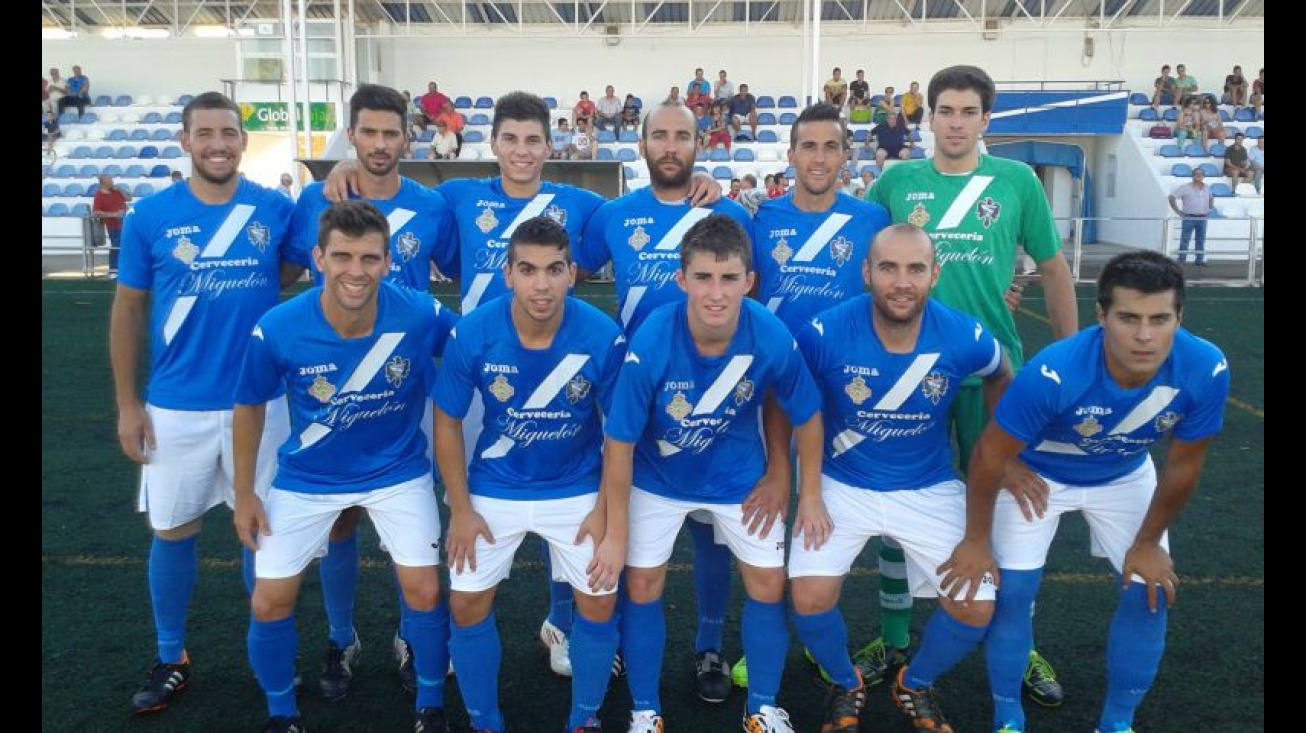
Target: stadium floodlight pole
814,80
303,80
288,68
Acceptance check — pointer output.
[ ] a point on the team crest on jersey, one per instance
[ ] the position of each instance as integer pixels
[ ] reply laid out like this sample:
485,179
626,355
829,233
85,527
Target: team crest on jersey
557,214
396,370
743,391
857,390
841,250
186,251
408,245
578,389
486,222
321,390
501,390
782,253
259,236
638,239
1166,421
1088,427
679,407
934,386
919,216
988,211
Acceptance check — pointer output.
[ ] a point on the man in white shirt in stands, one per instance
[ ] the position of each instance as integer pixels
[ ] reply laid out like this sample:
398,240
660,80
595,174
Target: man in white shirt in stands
608,110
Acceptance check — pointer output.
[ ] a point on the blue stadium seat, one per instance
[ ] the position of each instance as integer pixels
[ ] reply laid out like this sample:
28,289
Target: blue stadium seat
915,136
551,102
426,136
1244,114
1220,189
185,99
1210,169
89,118
47,170
139,134
68,118
1254,131
701,156
58,208
104,151
628,136
788,118
462,103
117,134
90,170
65,170
630,171
1139,98
875,99
626,155
744,136
80,152
473,136
160,171
135,170
1170,151
122,100
719,155
51,189
606,154
765,102
1194,150
172,152
80,209
112,170
147,151
859,136
1148,114
1182,170
74,189
151,118
700,169
790,173
767,136
103,100
142,190
161,135
422,153
765,118
917,153
606,136
866,154
787,102
173,118
1216,150
479,119
723,173
124,152
92,189
744,155
1225,116
1171,114
484,103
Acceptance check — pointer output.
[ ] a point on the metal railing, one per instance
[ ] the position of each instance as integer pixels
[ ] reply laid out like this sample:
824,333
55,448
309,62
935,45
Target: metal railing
1240,263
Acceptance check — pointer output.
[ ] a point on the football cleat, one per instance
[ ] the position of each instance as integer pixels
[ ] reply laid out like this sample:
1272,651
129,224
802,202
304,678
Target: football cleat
162,683
338,669
712,679
559,649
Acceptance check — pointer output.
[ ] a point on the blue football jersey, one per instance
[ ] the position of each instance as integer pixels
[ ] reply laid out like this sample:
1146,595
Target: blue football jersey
641,236
808,261
212,271
355,404
485,217
421,232
886,414
1081,428
695,420
543,434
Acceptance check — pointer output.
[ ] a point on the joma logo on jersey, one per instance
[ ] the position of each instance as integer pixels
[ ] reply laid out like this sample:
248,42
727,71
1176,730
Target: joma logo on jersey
317,369
179,231
499,369
864,371
481,203
920,196
1093,410
782,233
637,221
677,386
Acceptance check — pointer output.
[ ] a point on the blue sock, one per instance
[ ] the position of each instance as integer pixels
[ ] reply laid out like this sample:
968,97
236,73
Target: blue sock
404,610
1006,648
711,585
945,642
430,642
1133,653
643,642
272,648
247,570
766,644
477,651
172,573
338,572
593,645
562,602
826,636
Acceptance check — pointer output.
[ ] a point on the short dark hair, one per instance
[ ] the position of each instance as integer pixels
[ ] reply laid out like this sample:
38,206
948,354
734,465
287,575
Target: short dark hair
819,112
542,231
209,100
522,106
353,218
377,98
962,78
1146,271
720,236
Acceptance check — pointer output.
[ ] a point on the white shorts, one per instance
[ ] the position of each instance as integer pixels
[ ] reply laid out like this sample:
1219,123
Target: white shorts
404,516
555,520
928,523
1114,512
655,521
191,470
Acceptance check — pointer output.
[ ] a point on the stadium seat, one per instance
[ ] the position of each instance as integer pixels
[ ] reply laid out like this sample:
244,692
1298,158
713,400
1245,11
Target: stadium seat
142,190
124,152
1245,190
50,190
1139,98
1194,150
117,134
139,134
185,99
876,98
143,100
93,189
473,136
606,136
700,169
122,100
108,117
160,171
479,119
89,118
95,134
788,118
787,102
1148,115
74,189
135,170
1230,131
173,118
1216,150
427,135
1225,116
628,136
700,156
172,152
744,155
46,170
80,209
80,152
113,170
422,153
65,171
1210,169
1171,115
790,173
626,155
551,102
767,136
719,155
1244,114
915,136
103,100
1182,170
866,154
161,134
630,171
462,103
147,151
58,208
90,170
1254,131
1219,189
765,118
768,155
67,118
606,154
723,173
484,103
151,118
917,153
71,134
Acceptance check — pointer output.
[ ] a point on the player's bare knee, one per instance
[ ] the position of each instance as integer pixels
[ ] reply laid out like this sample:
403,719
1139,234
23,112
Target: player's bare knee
765,585
184,532
273,599
470,608
596,609
644,585
814,595
421,588
970,613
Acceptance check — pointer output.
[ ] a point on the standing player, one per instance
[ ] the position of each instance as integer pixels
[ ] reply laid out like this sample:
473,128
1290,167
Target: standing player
889,364
979,210
683,436
640,234
354,357
200,264
1083,415
546,365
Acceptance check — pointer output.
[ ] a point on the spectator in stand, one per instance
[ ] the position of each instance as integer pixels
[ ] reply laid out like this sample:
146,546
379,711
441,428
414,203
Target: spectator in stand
769,183
1192,201
699,84
1235,88
781,185
848,185
673,97
859,91
177,177
836,90
583,145
453,120
286,186
718,131
561,138
723,89
884,108
607,110
430,103
1189,125
1257,157
743,108
892,140
697,101
445,145
1163,89
50,133
55,89
749,194
1256,100
108,208
584,110
411,105
868,176
630,112
736,186
913,104
1212,125
1185,86
79,92
1237,163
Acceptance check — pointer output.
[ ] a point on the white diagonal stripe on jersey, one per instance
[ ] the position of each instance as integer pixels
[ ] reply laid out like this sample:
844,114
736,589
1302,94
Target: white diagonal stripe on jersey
312,434
476,290
371,364
846,441
666,449
226,234
821,237
499,449
907,383
724,384
557,379
176,317
398,218
773,304
530,211
633,296
1145,411
672,238
964,202
1053,446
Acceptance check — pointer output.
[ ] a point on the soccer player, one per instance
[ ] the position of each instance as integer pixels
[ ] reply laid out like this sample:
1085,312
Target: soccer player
200,264
640,234
419,235
546,365
683,435
889,364
354,357
1083,414
979,210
